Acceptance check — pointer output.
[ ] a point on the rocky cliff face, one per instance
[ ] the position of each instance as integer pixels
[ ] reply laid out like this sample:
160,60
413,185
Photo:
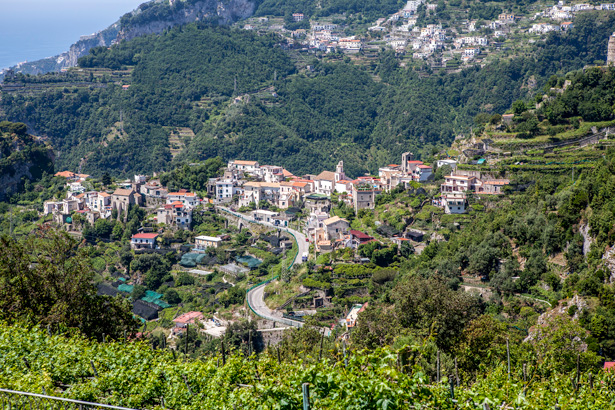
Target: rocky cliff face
150,18
221,12
21,156
11,183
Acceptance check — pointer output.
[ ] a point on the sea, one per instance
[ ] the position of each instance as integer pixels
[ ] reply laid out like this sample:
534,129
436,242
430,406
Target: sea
35,29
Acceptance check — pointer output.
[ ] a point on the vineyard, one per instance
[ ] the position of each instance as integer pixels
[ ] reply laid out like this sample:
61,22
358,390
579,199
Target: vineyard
131,374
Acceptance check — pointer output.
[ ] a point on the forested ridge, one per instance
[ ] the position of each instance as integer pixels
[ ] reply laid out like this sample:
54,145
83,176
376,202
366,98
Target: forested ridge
187,77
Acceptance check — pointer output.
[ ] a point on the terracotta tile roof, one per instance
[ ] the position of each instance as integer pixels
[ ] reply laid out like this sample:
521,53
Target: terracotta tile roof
241,162
333,220
65,174
188,317
415,162
326,176
424,167
145,236
287,174
103,194
123,192
181,194
497,182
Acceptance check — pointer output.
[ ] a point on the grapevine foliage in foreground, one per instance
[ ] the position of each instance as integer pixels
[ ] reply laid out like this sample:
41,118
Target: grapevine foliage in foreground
132,374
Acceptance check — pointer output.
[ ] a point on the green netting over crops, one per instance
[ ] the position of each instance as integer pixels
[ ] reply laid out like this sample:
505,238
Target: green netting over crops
125,288
156,298
251,261
191,259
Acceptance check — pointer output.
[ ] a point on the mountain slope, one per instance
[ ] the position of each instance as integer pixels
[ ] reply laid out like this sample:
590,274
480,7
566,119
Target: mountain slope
240,94
152,17
21,158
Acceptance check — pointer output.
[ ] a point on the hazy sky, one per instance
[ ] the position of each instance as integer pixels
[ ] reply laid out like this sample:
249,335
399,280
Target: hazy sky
34,29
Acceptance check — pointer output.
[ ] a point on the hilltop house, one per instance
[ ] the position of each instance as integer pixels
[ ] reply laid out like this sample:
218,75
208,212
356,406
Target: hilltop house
335,227
364,196
184,197
143,241
458,184
175,214
260,191
122,199
454,203
201,243
325,182
188,318
153,189
248,167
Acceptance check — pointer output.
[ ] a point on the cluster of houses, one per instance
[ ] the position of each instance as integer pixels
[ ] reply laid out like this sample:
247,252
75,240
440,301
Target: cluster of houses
171,208
252,185
561,11
327,37
403,32
92,205
424,41
456,187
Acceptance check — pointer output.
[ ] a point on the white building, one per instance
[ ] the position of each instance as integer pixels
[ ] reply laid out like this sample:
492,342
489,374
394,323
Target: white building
186,198
264,215
225,189
450,162
201,243
454,203
249,167
143,241
175,214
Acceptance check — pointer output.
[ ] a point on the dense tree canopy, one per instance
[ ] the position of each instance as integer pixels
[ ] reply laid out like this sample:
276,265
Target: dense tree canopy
48,279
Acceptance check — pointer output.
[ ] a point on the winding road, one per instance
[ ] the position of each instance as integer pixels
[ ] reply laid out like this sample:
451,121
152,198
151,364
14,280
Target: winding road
256,295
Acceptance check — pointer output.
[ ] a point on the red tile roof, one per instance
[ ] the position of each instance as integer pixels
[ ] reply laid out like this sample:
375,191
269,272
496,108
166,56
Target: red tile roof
188,317
360,235
180,193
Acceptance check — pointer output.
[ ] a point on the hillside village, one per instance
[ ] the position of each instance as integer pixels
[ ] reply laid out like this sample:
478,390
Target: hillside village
267,195
465,261
251,222
414,31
